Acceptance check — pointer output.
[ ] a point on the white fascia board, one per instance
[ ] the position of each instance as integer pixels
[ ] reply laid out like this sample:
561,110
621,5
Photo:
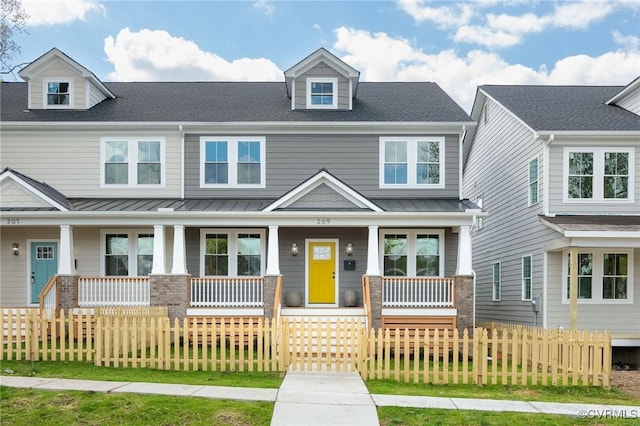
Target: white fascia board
280,218
262,127
635,84
602,234
593,133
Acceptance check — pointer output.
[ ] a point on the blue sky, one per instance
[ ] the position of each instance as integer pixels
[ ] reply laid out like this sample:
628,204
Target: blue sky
459,45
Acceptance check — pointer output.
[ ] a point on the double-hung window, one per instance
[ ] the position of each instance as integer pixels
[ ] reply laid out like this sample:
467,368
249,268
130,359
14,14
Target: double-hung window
598,174
127,253
413,252
533,181
414,162
132,162
322,93
604,276
58,93
232,252
232,161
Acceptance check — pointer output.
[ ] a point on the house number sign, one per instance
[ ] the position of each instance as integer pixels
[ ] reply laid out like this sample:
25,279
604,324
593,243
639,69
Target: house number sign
13,221
323,221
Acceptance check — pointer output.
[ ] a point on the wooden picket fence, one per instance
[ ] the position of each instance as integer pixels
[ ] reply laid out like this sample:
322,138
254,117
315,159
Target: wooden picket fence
509,356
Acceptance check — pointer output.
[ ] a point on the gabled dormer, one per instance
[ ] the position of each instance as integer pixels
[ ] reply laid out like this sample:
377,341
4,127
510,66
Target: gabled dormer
58,82
321,81
628,98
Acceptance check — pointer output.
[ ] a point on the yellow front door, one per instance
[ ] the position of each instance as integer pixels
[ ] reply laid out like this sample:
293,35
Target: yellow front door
322,272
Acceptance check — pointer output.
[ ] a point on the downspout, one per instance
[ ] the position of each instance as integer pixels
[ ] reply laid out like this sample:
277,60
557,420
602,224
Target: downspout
545,175
182,147
461,153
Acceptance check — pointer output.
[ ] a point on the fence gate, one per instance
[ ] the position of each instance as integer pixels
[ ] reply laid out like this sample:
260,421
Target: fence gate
323,344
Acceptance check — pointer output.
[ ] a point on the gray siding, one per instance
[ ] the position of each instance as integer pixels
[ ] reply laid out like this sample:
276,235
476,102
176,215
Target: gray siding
617,318
291,159
321,70
497,169
556,204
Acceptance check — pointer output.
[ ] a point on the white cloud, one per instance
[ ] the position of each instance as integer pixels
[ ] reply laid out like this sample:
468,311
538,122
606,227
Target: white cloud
149,55
265,6
628,42
52,12
470,25
380,57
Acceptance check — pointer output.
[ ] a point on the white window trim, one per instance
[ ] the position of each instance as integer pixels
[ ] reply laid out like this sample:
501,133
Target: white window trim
529,182
132,161
524,298
479,220
232,161
333,80
597,275
412,235
132,235
232,235
493,279
598,175
45,83
412,161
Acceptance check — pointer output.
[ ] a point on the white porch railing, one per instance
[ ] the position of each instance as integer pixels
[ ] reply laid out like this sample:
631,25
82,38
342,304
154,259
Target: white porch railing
113,291
418,292
227,292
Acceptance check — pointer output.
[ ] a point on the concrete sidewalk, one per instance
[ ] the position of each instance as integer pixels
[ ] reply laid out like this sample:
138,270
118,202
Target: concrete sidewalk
319,398
323,398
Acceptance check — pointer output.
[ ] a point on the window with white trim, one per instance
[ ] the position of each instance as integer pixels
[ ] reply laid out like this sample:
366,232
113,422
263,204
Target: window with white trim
533,181
58,93
604,276
526,277
479,219
415,162
412,253
232,252
496,283
322,93
598,174
232,161
132,162
127,253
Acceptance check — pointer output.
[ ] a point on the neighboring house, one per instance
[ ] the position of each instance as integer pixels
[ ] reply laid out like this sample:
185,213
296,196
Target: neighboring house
557,168
208,196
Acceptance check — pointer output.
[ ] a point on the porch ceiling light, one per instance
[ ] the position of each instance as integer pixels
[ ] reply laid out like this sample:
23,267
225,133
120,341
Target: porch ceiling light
294,249
349,249
15,248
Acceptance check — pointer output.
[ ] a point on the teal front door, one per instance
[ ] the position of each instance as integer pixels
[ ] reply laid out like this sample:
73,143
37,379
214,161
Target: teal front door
44,264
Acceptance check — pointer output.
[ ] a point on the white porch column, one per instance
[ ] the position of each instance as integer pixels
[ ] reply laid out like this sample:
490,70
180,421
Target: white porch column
66,258
273,252
373,265
465,266
158,250
179,252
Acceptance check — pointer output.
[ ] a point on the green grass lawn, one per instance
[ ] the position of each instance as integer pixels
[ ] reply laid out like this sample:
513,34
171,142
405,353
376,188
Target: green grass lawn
40,407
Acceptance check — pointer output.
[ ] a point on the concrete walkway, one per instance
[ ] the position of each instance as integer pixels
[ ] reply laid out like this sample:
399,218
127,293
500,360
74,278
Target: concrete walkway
319,398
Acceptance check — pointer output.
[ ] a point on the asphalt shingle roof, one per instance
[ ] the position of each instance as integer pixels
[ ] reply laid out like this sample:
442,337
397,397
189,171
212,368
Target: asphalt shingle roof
240,102
565,108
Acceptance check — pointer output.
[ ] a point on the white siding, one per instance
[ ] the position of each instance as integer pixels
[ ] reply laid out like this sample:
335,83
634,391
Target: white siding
498,169
13,195
631,101
617,318
95,96
73,166
58,69
556,204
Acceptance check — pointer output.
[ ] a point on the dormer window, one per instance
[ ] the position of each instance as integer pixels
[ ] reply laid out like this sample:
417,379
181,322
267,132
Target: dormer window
58,93
322,93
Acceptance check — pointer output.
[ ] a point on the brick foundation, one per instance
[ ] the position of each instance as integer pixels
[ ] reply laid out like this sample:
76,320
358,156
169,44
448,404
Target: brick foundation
67,292
269,294
375,290
171,291
464,301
